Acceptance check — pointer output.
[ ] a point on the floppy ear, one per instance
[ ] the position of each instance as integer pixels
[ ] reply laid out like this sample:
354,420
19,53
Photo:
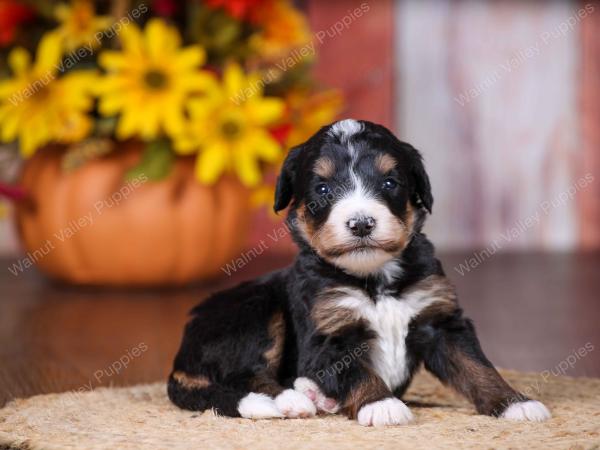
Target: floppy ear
284,189
422,185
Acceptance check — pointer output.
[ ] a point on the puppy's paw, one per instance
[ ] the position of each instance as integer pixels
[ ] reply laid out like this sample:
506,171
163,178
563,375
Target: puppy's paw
530,410
390,411
310,389
258,406
294,404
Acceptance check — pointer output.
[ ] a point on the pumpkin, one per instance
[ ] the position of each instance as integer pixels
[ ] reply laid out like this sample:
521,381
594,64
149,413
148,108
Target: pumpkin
91,226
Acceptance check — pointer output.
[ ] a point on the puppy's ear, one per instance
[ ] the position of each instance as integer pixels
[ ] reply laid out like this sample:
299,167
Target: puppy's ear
422,185
284,189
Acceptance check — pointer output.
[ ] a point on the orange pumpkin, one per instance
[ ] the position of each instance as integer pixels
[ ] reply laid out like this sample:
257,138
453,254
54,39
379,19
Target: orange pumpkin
90,226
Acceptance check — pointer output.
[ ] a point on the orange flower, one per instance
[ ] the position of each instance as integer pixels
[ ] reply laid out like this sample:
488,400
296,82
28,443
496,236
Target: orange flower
12,14
282,27
238,9
311,112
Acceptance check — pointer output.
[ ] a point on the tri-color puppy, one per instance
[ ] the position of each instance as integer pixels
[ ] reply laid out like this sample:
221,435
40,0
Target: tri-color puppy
363,306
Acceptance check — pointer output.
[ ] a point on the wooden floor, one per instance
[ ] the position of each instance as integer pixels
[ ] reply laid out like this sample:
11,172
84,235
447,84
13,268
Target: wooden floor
534,312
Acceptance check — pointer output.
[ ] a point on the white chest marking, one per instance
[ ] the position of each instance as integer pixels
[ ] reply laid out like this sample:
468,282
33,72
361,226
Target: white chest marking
389,318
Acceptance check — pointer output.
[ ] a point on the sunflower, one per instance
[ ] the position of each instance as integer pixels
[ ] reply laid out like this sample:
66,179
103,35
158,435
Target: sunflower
38,107
149,81
79,24
229,129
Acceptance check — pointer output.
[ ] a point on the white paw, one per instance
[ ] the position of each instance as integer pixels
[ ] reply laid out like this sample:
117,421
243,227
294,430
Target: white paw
309,388
258,406
390,411
530,410
294,404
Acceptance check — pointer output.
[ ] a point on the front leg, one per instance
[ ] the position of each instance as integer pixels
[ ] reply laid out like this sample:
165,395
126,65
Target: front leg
336,367
452,352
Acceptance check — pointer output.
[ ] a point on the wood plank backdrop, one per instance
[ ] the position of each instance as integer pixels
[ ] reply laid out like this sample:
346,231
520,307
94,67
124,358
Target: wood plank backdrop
503,99
496,94
590,120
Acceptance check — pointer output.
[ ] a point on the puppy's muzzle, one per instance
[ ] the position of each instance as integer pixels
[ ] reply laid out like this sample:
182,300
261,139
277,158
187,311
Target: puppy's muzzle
361,226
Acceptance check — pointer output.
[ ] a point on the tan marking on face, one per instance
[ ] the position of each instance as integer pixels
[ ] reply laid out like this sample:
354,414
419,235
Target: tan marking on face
305,229
400,232
384,163
277,334
324,167
191,381
371,389
317,239
326,240
407,225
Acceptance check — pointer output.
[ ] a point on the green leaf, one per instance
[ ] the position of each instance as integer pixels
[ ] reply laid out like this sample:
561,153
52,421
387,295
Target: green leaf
156,162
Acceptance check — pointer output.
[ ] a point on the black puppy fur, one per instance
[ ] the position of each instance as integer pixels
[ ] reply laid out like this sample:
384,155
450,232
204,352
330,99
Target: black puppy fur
263,334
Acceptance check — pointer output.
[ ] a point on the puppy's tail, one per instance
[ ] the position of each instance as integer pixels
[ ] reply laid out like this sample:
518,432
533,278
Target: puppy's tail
197,393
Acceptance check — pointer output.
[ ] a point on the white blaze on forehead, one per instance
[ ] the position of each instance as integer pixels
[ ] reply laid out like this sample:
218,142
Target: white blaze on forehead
357,201
344,129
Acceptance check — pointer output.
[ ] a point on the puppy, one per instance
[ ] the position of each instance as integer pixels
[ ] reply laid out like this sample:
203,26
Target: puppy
363,306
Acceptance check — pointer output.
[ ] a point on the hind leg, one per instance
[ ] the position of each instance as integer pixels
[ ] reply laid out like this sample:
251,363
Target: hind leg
231,354
255,397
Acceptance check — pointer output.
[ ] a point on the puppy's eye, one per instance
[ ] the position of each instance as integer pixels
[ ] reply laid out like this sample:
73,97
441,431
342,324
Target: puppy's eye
389,183
322,189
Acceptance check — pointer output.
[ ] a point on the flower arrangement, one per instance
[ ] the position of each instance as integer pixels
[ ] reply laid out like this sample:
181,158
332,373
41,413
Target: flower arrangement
196,79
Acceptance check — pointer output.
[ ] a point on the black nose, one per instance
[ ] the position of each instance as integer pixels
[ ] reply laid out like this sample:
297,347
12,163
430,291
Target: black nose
361,226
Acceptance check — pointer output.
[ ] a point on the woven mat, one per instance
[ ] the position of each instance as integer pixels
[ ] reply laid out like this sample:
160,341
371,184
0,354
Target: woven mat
141,417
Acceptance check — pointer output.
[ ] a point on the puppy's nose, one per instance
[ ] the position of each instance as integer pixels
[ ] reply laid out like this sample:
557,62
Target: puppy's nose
361,226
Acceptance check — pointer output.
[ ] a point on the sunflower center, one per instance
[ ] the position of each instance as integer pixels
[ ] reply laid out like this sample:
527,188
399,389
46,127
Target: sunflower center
155,79
42,94
231,129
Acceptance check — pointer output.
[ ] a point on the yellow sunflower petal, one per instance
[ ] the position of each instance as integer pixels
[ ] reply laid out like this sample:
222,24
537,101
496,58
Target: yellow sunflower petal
190,57
154,35
111,105
174,120
211,162
265,111
265,146
19,61
29,142
150,126
112,60
171,39
128,125
9,128
185,143
233,80
48,54
201,108
247,168
132,39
